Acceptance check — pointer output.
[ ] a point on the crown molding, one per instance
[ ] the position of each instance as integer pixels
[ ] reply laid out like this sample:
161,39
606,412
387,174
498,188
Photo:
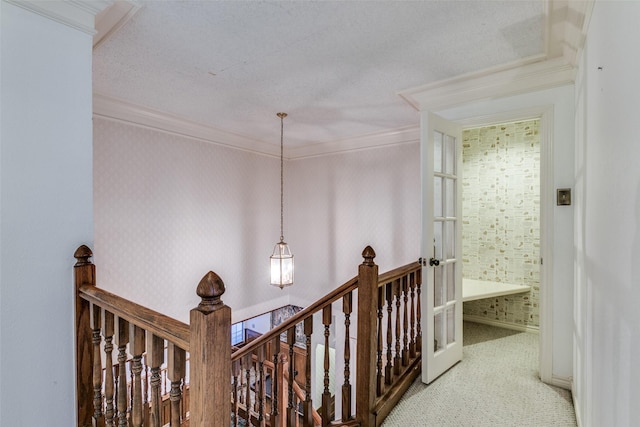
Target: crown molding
566,25
111,19
120,110
78,14
567,22
490,84
124,111
381,139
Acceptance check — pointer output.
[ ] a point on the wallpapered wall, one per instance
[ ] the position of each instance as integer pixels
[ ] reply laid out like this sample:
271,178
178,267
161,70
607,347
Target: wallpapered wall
343,202
501,219
169,208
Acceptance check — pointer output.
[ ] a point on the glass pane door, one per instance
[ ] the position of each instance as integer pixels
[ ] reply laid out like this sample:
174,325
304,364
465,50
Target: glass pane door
442,244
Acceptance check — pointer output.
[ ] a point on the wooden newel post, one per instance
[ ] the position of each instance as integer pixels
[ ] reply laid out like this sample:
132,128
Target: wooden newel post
366,343
84,274
210,353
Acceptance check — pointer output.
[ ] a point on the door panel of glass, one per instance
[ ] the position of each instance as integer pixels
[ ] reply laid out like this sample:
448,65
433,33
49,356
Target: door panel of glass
441,150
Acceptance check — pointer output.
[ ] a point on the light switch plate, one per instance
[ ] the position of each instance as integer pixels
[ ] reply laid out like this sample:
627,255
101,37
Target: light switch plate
563,197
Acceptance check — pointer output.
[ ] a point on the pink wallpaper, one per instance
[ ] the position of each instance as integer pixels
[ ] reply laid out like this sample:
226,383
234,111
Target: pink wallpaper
170,208
343,203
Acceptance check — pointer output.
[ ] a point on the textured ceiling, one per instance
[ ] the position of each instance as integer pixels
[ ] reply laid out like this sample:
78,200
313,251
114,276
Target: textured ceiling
334,66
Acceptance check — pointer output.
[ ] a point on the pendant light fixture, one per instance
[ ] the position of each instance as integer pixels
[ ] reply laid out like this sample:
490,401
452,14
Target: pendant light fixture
281,259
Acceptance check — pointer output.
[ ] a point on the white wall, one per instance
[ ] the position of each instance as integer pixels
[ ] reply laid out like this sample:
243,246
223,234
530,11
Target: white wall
340,203
607,245
45,211
561,99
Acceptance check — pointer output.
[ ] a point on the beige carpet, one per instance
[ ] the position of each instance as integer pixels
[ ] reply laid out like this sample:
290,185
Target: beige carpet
496,384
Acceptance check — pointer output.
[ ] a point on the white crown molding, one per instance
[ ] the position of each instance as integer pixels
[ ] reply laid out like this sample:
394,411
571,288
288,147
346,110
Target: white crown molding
117,109
566,25
78,14
113,18
578,15
490,84
381,139
567,22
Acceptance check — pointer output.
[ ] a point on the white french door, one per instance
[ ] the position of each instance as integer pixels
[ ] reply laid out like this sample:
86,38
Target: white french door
441,156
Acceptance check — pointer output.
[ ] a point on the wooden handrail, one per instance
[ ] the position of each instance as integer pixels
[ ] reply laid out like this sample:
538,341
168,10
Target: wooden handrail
158,324
397,273
297,318
379,379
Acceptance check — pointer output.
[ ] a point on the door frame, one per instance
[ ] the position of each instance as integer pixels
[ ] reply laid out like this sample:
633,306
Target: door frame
545,114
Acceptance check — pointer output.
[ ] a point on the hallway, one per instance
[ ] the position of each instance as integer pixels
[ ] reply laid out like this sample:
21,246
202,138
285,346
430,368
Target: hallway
496,384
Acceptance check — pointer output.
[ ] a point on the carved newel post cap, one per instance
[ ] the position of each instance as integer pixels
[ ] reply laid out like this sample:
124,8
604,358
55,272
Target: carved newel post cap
368,254
210,289
82,254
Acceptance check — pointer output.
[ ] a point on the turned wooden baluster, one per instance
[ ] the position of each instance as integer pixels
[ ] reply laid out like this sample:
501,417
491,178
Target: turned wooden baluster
405,323
307,407
292,413
175,372
326,395
236,371
397,361
242,390
418,311
276,383
108,324
146,414
96,324
155,358
347,308
282,389
260,386
247,362
137,348
412,344
379,338
388,370
122,339
84,274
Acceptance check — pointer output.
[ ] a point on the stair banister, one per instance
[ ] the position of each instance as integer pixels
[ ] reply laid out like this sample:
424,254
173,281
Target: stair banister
210,359
366,342
214,365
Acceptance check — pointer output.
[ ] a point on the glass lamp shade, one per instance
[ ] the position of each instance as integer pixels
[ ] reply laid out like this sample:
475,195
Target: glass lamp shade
281,265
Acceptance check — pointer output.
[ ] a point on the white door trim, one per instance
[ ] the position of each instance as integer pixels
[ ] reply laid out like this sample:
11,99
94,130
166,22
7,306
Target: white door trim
545,114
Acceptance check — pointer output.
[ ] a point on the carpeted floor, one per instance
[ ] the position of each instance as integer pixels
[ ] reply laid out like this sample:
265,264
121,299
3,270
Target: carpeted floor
496,384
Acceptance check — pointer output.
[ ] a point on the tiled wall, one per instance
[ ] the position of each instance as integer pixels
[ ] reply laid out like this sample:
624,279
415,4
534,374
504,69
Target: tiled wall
501,220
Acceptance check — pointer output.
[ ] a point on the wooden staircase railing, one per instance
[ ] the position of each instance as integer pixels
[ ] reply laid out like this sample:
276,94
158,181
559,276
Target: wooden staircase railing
268,382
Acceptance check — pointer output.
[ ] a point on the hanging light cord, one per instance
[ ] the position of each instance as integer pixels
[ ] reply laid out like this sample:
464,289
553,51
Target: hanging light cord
282,116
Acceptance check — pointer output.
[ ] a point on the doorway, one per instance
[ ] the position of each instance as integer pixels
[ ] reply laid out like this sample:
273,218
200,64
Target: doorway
544,115
501,224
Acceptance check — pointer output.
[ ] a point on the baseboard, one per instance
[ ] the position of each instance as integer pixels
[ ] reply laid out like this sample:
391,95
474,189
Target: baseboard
499,324
576,406
561,382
